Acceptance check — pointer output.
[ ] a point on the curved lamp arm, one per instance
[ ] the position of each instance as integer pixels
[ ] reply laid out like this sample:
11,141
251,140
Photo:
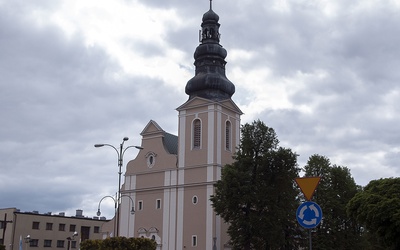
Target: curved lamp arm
133,203
107,196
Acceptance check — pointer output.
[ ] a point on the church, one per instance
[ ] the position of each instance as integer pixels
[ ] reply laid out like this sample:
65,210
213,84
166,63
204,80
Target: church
171,179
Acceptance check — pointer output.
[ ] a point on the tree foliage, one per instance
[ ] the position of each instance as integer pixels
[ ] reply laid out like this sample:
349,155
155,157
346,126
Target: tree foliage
336,188
119,243
256,194
378,208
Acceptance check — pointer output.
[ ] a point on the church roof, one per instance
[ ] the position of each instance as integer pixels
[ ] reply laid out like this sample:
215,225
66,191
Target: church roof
171,143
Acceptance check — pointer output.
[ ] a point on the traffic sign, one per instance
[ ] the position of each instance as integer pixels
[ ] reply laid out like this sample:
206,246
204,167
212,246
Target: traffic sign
308,185
309,214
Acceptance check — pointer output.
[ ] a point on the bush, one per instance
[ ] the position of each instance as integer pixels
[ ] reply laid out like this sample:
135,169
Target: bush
2,247
119,243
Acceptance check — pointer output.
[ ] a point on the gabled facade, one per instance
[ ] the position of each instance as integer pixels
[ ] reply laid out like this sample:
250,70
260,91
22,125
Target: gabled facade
171,180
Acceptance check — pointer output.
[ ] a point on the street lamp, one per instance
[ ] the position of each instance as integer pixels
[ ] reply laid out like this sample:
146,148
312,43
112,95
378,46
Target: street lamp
120,154
71,238
27,241
115,208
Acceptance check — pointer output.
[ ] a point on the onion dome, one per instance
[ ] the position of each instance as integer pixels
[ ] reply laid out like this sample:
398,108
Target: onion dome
210,81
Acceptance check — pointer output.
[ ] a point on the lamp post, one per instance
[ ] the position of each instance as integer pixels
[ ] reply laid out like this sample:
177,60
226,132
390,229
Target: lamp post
27,241
120,154
115,208
71,238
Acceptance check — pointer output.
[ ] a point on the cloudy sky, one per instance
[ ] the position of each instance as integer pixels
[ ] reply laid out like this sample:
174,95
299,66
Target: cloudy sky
324,74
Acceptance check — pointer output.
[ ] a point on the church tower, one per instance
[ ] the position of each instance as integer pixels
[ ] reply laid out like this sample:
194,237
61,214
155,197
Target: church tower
171,180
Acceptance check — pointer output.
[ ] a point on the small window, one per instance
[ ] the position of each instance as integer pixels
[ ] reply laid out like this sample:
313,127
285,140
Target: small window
35,225
60,243
196,134
158,204
194,240
228,129
49,226
34,243
73,244
72,228
140,205
47,243
153,237
195,200
96,230
61,227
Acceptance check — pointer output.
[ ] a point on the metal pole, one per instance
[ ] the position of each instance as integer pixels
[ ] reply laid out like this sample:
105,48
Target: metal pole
119,181
310,239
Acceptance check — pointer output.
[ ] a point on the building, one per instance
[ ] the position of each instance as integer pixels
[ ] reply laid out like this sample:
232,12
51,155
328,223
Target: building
46,231
171,179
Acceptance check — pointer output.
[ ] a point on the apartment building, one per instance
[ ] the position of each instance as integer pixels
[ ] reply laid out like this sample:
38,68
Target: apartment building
33,230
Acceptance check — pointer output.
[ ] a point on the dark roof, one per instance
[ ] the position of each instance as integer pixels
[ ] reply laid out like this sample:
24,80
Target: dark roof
171,143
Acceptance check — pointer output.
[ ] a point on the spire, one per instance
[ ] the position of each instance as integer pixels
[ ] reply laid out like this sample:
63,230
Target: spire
210,81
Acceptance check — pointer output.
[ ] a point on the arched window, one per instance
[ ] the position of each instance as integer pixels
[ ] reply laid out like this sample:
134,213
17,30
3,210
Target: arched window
228,131
196,133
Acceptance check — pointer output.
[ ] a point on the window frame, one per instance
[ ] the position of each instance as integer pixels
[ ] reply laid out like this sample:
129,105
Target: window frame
196,133
228,135
140,205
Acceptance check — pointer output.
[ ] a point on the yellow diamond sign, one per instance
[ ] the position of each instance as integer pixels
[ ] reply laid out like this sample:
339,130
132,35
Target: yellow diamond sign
308,185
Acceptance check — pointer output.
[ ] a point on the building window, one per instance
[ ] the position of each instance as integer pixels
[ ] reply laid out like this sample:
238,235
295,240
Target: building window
72,228
195,200
194,240
60,243
34,242
73,244
49,226
151,159
35,225
61,227
96,229
196,134
158,204
140,205
228,132
47,243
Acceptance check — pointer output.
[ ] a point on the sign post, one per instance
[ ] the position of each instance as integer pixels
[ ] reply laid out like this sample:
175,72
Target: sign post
309,214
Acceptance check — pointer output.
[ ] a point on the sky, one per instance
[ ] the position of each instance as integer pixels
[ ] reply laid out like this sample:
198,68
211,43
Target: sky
323,74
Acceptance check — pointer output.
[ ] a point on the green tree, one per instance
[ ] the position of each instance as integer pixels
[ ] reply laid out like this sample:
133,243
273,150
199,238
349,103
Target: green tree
256,195
336,188
378,208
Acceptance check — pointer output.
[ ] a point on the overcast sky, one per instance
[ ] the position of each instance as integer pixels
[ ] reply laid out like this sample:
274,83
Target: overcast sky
324,74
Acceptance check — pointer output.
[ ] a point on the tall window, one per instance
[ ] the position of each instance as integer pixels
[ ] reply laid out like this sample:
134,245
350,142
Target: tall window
140,205
196,133
194,240
158,204
228,132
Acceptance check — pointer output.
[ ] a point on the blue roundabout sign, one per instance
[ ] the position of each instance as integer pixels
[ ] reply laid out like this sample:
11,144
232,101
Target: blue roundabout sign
309,214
